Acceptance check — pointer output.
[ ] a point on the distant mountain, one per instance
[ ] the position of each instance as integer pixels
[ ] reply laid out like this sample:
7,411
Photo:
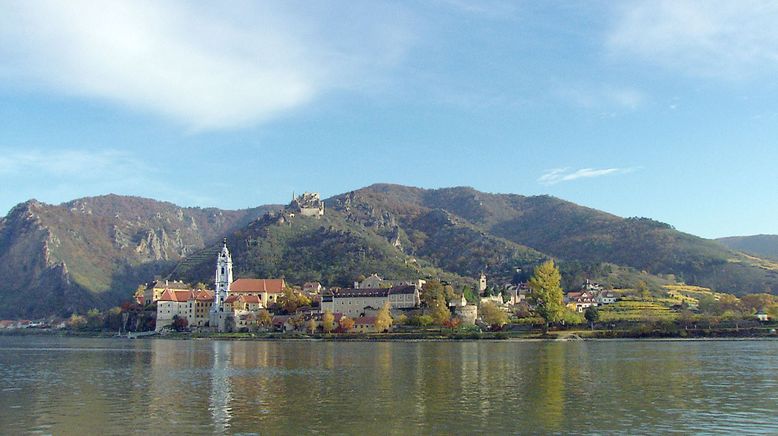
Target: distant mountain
757,245
92,252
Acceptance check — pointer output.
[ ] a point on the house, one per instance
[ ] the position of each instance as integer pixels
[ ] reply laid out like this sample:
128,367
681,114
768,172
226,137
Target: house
353,302
761,316
312,288
375,281
580,301
194,305
268,290
365,324
605,297
154,290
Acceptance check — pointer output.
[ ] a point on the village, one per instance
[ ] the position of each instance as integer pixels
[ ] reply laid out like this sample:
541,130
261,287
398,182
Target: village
374,305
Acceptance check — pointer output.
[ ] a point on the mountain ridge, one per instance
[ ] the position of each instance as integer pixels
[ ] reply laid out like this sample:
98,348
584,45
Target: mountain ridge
93,251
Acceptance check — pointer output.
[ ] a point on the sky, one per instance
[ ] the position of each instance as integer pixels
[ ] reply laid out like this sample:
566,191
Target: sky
660,109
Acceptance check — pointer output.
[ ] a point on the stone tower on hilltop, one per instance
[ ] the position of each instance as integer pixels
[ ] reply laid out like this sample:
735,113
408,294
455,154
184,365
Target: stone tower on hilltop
482,283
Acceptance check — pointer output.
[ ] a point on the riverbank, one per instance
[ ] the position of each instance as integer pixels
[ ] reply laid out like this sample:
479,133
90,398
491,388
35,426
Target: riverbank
640,332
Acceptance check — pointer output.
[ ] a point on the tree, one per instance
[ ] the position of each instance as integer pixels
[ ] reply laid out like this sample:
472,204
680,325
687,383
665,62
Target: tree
470,295
753,303
431,292
264,318
592,315
346,323
201,286
94,319
297,321
113,319
312,325
290,300
76,322
425,320
643,291
328,321
401,319
383,319
546,292
493,315
440,312
180,323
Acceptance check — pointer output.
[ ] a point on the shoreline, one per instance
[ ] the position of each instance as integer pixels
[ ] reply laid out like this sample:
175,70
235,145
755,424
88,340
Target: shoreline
766,334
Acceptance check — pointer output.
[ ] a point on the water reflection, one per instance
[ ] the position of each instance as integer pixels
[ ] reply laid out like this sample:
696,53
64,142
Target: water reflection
55,385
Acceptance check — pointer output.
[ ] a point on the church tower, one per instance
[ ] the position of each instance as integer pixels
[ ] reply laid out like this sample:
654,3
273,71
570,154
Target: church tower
482,283
223,280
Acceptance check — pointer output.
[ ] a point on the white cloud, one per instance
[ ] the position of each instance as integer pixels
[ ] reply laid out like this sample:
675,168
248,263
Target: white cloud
712,38
205,65
557,175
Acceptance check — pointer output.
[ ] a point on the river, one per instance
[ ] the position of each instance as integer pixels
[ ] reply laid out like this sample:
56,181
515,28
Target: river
85,386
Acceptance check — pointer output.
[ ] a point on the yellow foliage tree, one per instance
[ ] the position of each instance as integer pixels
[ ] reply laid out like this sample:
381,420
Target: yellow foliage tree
328,321
383,319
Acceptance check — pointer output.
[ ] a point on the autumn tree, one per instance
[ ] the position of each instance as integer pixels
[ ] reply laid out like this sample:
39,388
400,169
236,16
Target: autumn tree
643,291
264,318
547,292
311,326
290,300
383,319
346,323
76,322
493,315
753,303
440,312
328,321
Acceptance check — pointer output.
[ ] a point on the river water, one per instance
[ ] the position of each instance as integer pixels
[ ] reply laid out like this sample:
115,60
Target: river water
113,386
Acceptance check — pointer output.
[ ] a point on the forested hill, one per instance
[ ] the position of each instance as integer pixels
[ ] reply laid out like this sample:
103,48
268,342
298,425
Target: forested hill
93,252
757,245
462,231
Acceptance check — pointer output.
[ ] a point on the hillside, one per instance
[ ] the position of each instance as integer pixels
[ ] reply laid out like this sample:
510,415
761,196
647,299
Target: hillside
758,245
94,251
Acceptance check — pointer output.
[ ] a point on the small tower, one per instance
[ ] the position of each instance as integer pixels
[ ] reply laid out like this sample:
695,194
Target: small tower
482,283
223,280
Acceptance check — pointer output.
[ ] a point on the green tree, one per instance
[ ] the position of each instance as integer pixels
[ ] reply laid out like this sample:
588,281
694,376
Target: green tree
383,319
546,292
753,303
440,312
402,319
643,291
425,320
470,295
328,321
431,292
493,315
592,315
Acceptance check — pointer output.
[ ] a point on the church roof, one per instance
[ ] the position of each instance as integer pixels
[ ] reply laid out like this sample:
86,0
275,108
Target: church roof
252,299
258,285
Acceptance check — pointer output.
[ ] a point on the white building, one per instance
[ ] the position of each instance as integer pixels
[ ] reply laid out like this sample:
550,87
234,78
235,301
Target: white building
194,305
219,315
354,302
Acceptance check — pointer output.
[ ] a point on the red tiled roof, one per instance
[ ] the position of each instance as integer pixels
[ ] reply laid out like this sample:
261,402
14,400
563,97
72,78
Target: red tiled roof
231,299
250,299
203,295
258,285
177,296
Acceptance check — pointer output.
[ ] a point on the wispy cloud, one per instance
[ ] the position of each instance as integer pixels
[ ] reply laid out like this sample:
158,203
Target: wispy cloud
205,65
557,175
600,96
713,38
60,175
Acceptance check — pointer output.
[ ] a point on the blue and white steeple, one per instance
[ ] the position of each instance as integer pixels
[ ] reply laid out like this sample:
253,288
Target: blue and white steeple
223,278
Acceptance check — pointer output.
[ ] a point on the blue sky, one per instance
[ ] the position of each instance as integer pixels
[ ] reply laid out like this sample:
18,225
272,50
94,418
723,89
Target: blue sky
663,109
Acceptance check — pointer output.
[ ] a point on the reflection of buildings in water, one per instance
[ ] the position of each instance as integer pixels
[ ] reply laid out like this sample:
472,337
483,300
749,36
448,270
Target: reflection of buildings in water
221,395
